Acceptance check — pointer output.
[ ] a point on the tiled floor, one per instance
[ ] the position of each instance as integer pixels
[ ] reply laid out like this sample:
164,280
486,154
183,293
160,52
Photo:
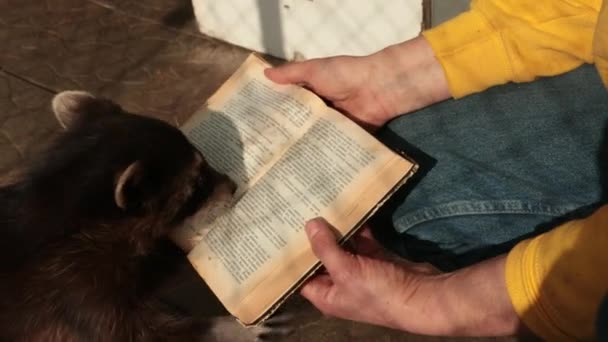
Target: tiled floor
146,55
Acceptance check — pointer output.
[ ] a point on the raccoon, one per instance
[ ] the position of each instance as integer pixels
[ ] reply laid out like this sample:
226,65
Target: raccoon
81,221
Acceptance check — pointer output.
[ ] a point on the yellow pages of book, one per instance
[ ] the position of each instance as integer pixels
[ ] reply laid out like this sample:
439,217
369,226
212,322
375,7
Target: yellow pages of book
294,159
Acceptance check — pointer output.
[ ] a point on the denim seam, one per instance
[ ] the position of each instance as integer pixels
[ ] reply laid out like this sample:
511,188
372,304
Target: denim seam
465,208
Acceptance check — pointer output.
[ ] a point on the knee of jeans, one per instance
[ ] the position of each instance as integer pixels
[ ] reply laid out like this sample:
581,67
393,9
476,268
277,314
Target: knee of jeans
461,226
461,234
460,240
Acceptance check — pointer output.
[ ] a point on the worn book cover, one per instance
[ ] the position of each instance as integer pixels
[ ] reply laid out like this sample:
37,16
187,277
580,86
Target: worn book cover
293,159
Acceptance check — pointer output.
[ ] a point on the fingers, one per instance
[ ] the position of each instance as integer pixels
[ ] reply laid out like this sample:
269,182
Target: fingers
296,72
318,291
366,232
364,243
325,247
366,246
317,287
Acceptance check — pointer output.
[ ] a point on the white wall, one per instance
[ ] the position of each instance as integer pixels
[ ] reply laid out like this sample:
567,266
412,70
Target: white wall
310,28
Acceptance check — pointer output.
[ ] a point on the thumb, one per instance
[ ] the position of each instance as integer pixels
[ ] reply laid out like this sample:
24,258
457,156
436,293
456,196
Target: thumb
295,72
325,247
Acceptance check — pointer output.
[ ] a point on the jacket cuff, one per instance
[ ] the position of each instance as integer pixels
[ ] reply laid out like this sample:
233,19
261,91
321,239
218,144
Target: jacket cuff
471,53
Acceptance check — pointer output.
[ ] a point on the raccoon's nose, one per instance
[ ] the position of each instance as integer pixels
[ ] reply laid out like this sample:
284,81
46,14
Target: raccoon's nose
227,182
232,186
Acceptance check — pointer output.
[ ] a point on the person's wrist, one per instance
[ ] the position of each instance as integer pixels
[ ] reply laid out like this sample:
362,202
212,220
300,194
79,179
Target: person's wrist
474,301
414,77
417,310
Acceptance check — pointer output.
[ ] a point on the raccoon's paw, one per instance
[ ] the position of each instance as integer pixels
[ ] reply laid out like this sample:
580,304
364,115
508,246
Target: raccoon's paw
275,327
227,328
196,239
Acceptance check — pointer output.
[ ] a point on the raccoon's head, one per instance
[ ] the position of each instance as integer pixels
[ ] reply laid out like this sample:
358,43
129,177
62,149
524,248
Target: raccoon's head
110,165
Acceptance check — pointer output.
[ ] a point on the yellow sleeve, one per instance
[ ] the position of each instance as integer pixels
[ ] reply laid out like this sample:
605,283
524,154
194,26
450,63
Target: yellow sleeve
600,41
557,280
498,41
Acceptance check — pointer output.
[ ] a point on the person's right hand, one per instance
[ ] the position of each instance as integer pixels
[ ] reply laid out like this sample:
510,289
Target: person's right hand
373,89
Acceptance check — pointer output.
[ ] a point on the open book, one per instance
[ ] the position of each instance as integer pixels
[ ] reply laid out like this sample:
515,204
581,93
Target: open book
293,159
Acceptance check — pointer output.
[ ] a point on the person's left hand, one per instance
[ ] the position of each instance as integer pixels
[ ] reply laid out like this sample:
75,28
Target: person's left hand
370,286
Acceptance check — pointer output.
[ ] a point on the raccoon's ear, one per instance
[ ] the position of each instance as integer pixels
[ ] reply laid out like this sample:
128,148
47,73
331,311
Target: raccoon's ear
74,106
127,189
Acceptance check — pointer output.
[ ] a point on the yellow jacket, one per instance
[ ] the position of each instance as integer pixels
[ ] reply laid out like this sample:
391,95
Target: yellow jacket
557,280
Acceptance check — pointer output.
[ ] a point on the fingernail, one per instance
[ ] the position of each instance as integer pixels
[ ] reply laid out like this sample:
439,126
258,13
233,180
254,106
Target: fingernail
313,226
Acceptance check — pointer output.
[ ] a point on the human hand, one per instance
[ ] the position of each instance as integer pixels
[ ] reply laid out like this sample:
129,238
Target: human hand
369,285
373,89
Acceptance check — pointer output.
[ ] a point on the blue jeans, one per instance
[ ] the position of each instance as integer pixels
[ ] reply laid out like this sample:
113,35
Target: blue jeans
498,167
